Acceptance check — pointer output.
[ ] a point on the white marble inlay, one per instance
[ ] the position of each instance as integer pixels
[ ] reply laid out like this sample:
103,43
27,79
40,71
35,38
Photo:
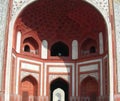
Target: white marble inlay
75,49
53,77
58,95
94,75
44,49
101,48
117,28
29,66
25,74
3,19
18,43
59,70
88,68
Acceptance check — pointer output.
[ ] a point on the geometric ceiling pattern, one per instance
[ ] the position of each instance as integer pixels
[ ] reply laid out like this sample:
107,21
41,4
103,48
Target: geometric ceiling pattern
61,18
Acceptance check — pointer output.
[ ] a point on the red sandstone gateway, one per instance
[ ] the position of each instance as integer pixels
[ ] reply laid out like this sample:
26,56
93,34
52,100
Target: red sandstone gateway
59,51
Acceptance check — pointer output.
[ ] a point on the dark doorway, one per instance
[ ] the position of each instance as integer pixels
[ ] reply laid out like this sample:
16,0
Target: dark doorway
92,49
26,48
59,49
59,84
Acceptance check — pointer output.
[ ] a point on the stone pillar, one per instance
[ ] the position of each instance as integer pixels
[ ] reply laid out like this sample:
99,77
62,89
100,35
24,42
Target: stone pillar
117,30
74,49
18,42
3,21
44,50
101,50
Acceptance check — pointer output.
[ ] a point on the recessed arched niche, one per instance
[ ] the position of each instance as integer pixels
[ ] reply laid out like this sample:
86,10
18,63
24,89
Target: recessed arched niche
29,88
30,45
59,90
64,34
59,49
88,47
66,23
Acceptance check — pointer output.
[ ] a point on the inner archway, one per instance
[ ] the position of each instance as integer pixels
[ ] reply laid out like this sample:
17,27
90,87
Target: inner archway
65,21
59,89
59,49
89,88
29,88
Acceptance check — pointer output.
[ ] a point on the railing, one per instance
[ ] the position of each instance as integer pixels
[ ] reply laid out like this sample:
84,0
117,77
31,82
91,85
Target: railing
79,98
103,98
100,98
39,98
19,98
46,98
117,97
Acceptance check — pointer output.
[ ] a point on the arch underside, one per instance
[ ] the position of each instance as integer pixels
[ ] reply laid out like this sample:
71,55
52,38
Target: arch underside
59,23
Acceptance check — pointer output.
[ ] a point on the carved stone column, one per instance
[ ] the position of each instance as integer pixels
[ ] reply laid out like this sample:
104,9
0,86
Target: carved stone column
3,20
117,30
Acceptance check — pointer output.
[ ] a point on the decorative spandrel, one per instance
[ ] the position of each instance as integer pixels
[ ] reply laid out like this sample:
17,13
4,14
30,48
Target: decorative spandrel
101,4
17,4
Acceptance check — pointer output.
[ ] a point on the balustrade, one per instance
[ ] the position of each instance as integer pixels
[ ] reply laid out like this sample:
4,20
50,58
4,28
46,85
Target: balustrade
46,98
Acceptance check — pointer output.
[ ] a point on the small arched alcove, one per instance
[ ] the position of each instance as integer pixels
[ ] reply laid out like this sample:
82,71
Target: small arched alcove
88,47
89,88
63,20
30,45
59,89
29,88
26,48
59,49
92,49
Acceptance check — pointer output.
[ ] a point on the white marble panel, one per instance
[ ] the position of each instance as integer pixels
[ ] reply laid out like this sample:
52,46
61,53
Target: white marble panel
117,28
25,74
75,49
53,77
88,68
28,66
3,17
94,75
18,43
101,48
59,70
58,95
44,49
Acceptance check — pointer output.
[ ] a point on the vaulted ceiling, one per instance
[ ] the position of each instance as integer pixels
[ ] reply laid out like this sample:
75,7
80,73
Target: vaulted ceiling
52,19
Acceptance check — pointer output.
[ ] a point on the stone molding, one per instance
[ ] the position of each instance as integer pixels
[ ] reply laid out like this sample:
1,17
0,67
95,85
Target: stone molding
83,76
53,77
3,17
117,29
25,74
102,5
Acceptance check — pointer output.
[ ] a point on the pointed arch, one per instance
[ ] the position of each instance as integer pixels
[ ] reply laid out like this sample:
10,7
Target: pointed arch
30,45
26,48
88,47
10,46
89,88
60,84
59,49
30,78
58,95
29,88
